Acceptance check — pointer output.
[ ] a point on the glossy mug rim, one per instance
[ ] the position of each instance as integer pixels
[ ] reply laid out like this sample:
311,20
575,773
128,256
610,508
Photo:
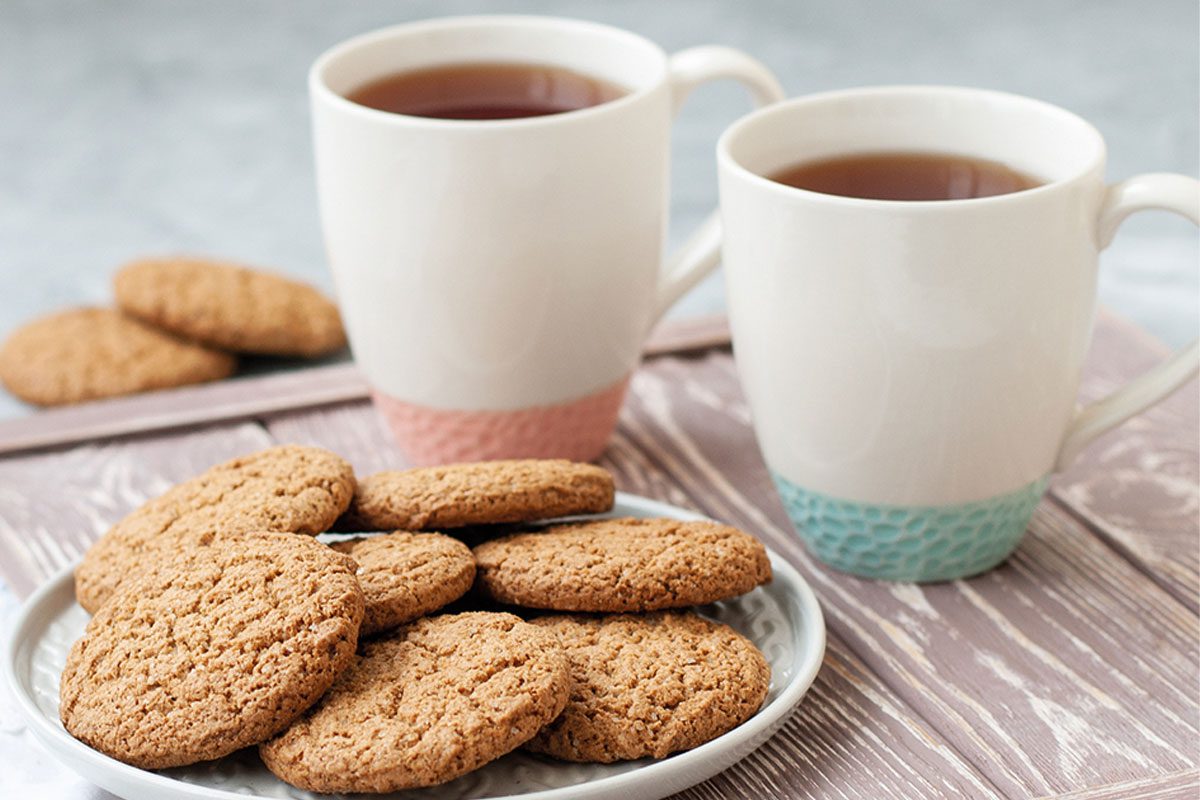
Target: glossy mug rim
1091,166
320,89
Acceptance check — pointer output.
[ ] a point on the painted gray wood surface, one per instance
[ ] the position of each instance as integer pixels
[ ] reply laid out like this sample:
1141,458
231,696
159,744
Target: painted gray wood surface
1175,786
824,752
1071,671
254,396
54,504
1039,672
1137,485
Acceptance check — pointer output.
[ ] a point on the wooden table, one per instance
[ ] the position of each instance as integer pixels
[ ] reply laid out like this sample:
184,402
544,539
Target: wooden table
1071,671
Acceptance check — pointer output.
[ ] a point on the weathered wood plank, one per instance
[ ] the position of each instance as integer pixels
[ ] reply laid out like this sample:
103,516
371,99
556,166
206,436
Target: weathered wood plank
851,737
1064,669
238,398
687,335
249,396
354,430
1183,785
1139,485
1058,601
54,504
1073,668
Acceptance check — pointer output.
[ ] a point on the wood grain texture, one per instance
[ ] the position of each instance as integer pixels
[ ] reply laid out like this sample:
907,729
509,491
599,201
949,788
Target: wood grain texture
1064,669
355,431
1071,671
1059,638
239,398
1139,485
852,737
688,335
54,504
1184,785
250,396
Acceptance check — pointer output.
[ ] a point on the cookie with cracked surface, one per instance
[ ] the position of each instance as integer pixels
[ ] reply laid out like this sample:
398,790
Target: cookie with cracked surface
88,353
481,493
650,685
230,306
292,489
433,701
215,648
407,575
619,565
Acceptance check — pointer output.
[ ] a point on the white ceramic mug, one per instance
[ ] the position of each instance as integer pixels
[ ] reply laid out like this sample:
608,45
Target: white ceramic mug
912,367
498,277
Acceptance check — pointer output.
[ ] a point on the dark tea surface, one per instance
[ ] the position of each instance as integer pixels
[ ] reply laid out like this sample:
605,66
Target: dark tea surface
905,176
485,91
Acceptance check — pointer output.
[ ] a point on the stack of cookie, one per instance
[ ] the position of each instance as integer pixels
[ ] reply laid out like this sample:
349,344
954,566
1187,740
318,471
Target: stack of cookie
179,321
218,624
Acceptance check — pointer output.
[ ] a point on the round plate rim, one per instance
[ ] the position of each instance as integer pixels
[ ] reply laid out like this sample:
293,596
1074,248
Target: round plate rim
768,718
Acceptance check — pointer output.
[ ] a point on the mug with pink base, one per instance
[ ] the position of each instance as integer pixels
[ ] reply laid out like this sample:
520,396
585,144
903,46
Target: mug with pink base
498,277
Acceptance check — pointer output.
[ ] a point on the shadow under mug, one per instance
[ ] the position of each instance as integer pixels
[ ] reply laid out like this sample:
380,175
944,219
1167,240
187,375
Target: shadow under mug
498,278
912,367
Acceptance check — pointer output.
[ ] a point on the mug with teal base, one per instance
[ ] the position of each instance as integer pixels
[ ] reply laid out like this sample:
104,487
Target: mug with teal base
912,366
910,543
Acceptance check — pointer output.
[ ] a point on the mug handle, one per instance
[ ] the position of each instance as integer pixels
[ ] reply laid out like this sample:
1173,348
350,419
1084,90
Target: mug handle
1175,193
689,68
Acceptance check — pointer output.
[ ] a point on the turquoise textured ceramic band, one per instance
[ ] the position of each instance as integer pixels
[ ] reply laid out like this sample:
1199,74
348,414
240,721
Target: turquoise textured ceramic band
910,543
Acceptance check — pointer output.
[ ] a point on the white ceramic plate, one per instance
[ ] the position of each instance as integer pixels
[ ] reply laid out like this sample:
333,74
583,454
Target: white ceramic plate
783,619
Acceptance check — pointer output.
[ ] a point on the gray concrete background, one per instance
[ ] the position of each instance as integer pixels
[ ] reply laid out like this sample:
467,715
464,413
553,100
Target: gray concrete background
129,128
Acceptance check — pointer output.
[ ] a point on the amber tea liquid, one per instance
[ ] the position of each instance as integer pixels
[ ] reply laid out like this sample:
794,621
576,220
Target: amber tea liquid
481,91
906,176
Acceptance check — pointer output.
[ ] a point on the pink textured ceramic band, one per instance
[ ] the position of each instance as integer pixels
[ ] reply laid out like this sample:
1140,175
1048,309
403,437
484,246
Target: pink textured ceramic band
577,429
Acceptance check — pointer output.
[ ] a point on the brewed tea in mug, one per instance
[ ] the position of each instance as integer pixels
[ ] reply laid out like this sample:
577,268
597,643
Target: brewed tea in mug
912,176
485,90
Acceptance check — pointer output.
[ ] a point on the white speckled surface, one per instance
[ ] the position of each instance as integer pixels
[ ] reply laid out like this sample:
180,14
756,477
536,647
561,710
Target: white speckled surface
139,127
